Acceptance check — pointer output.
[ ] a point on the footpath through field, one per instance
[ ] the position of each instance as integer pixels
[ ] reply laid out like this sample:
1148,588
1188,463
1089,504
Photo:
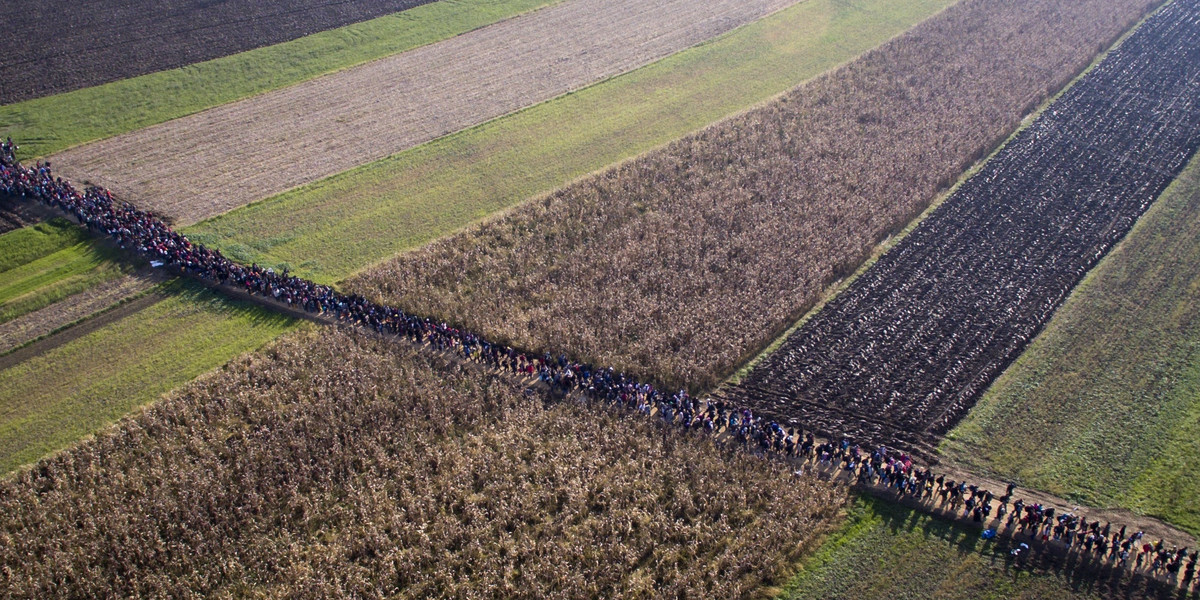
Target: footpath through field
875,469
205,164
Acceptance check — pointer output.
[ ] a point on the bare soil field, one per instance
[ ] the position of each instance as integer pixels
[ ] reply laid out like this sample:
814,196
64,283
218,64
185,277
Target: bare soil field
904,352
205,164
56,46
69,310
340,464
682,264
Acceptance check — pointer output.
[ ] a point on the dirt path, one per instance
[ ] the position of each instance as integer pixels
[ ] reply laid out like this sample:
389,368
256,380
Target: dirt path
199,166
71,309
1154,528
68,335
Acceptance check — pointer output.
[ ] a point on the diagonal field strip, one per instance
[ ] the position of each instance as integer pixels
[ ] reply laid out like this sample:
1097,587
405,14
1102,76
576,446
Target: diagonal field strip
684,262
208,163
332,228
918,337
1122,357
57,45
54,123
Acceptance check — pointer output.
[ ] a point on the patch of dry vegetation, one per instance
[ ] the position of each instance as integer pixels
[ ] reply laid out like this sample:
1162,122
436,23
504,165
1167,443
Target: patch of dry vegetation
338,464
684,263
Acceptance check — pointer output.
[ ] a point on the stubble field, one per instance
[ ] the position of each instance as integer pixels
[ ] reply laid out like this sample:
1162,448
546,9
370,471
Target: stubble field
683,263
208,163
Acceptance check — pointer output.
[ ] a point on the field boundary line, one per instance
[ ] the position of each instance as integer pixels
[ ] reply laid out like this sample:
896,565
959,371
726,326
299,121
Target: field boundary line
835,289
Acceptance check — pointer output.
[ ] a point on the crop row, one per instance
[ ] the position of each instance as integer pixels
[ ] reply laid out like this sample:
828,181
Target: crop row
680,265
341,464
910,346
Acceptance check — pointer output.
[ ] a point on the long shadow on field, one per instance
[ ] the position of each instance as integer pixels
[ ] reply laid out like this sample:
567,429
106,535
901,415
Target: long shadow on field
1081,574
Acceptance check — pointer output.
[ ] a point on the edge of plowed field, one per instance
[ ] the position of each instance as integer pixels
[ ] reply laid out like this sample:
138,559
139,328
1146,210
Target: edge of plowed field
887,244
1101,407
940,4
519,157
47,125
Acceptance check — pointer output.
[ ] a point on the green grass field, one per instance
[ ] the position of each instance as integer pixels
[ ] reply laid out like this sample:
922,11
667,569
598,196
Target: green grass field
48,262
340,225
46,125
884,550
1104,405
25,245
67,393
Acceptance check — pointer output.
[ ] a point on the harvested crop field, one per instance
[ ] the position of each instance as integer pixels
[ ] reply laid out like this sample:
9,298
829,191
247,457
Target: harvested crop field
339,464
902,354
54,46
1104,405
205,164
685,262
333,228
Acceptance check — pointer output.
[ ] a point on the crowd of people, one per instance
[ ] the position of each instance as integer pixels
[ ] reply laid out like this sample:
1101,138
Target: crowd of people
880,468
1025,523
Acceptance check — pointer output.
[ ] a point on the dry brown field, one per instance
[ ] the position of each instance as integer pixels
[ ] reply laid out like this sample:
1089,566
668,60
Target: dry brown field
684,263
208,163
341,464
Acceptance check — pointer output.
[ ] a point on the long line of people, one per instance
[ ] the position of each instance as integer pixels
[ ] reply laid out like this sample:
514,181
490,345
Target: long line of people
144,233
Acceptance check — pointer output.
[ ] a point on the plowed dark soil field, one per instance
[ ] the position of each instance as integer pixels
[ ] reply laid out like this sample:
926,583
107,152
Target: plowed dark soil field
908,348
54,46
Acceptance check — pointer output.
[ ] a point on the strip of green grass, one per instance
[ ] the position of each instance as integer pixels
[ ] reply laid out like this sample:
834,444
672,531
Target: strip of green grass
1104,405
27,244
46,125
335,227
54,277
56,398
887,551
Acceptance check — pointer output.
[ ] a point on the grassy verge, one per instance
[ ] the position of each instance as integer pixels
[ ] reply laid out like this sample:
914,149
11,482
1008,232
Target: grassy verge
340,225
25,245
56,398
52,278
47,263
887,551
1104,406
47,125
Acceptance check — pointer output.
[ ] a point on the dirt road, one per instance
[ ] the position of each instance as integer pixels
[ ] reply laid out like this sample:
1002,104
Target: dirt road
199,166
